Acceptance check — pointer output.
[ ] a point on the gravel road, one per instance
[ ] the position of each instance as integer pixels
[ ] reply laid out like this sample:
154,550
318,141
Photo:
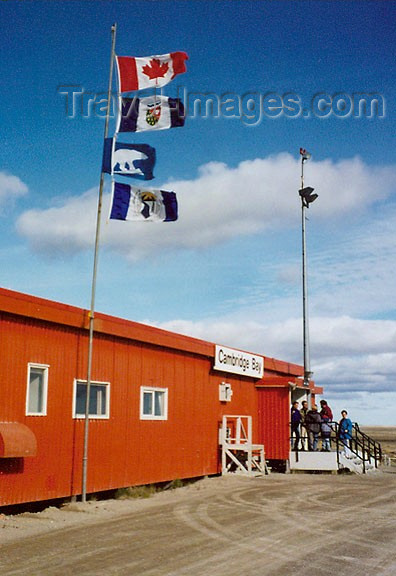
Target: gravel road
276,525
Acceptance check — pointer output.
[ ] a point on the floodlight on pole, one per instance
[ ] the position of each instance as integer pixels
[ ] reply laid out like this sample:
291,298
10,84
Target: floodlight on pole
307,197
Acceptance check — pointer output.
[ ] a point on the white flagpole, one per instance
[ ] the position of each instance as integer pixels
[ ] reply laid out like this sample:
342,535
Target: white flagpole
93,291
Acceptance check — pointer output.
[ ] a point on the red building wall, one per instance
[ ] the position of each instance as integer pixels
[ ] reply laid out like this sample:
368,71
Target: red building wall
274,416
123,450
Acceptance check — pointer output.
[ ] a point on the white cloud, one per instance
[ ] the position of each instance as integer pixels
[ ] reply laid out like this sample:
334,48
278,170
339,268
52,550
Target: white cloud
349,185
344,336
351,269
351,255
220,204
355,273
330,337
64,229
347,354
367,408
11,188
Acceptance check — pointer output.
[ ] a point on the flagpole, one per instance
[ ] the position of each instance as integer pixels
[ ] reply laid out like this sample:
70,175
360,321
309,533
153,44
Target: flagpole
94,274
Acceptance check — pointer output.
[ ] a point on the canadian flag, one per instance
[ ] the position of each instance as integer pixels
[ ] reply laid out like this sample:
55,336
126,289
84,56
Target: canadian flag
150,71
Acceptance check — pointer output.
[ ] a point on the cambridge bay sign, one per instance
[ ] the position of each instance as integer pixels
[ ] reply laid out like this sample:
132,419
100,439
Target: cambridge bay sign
237,362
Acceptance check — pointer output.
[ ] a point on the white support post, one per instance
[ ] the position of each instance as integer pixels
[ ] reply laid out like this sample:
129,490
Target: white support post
240,444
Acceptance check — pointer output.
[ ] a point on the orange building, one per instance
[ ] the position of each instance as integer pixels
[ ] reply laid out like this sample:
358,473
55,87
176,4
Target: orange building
156,404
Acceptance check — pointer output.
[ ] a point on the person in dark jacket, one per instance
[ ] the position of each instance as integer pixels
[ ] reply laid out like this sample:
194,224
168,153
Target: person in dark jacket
295,419
303,426
325,432
326,415
325,410
313,422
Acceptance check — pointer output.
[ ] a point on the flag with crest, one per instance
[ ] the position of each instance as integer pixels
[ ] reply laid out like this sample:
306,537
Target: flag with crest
150,113
144,205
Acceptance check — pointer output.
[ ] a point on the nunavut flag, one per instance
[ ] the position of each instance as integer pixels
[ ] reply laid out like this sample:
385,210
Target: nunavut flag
150,71
150,113
144,205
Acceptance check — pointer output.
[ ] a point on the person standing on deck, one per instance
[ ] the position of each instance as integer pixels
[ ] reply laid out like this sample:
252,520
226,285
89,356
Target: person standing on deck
303,425
345,431
313,421
295,419
326,415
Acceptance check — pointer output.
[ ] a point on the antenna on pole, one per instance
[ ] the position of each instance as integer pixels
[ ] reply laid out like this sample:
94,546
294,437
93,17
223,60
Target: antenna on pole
91,314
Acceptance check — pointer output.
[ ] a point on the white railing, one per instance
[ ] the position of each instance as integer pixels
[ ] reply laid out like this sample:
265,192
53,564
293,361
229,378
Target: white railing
239,454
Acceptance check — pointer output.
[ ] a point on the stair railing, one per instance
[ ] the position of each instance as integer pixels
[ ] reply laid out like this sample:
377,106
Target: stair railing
361,445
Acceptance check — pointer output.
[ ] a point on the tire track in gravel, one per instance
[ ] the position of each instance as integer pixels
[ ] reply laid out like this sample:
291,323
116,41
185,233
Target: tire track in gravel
270,526
323,540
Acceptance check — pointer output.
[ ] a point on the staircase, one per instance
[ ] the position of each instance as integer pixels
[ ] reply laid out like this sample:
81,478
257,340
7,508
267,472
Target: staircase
364,455
355,464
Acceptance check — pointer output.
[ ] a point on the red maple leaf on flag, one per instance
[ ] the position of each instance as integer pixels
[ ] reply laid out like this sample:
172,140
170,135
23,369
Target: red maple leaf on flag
155,69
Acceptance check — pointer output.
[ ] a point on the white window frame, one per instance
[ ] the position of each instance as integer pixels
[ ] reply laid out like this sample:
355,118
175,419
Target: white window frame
153,390
104,416
44,368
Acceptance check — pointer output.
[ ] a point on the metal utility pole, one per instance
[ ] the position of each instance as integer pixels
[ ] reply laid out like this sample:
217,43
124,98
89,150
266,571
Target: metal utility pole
306,198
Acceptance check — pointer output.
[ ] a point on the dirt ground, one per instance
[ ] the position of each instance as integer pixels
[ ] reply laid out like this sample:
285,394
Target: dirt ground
386,436
275,525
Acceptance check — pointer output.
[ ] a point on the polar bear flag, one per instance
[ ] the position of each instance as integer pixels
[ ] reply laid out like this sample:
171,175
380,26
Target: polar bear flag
132,160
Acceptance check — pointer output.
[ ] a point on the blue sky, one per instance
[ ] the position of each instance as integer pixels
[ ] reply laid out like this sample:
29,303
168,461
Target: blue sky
230,269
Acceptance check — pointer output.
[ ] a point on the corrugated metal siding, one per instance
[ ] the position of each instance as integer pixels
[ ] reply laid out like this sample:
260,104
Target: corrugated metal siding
273,424
123,450
25,341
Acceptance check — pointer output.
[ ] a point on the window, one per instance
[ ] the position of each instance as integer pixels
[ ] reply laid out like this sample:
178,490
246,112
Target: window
37,385
153,403
99,399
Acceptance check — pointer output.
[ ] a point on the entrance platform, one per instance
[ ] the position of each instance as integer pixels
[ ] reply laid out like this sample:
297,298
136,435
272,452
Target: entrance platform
313,461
